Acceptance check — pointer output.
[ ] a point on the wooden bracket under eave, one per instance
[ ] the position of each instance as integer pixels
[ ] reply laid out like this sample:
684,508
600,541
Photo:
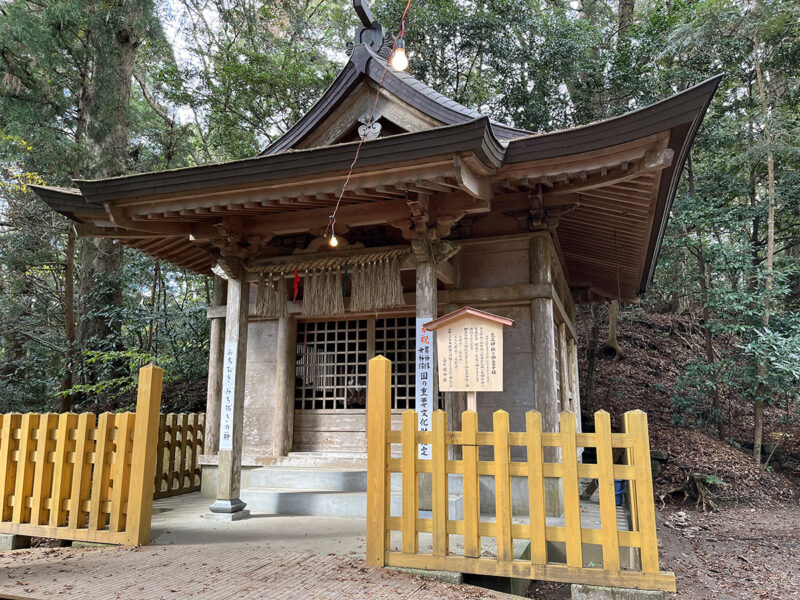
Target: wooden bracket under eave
470,181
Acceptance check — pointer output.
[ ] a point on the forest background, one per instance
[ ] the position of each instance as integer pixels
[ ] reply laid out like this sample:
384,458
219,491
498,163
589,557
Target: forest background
92,90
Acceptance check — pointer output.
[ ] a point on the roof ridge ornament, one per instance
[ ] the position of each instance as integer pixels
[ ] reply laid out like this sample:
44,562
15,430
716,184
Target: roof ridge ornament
371,33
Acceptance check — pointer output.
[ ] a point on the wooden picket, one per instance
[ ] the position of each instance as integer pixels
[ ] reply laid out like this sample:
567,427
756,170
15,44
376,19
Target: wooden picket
81,477
576,568
180,442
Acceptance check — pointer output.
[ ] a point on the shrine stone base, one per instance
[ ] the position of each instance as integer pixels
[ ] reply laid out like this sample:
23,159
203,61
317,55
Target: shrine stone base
593,592
236,516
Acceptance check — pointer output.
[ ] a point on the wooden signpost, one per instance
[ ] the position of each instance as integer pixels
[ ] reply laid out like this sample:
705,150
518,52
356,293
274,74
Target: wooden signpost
469,352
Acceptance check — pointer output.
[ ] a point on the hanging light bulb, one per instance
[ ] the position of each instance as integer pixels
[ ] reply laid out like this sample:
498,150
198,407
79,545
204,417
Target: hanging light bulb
399,60
333,241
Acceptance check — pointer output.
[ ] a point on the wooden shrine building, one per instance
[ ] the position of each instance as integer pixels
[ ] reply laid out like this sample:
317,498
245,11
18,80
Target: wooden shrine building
444,208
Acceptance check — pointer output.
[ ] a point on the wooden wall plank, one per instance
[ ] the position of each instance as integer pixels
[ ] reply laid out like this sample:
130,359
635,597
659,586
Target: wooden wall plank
605,484
101,472
378,406
536,489
43,477
635,423
471,485
502,487
572,506
440,495
410,502
82,470
25,468
8,467
124,424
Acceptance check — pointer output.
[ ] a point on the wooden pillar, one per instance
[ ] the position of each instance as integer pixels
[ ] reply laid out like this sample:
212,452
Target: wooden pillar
426,311
544,360
286,355
564,370
575,380
426,300
455,403
232,404
216,349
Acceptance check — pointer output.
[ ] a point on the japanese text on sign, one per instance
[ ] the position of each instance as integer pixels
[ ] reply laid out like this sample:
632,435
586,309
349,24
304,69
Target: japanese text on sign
424,382
470,356
226,408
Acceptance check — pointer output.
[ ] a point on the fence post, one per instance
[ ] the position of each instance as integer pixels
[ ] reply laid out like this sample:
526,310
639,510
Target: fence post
378,403
641,490
143,463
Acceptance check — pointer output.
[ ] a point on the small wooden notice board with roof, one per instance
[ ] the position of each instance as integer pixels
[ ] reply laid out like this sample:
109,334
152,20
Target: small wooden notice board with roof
469,346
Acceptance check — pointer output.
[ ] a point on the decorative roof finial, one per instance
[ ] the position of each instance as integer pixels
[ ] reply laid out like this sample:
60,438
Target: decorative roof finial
371,33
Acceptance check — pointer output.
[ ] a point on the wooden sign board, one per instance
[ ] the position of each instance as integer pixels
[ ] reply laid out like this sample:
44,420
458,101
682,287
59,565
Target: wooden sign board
469,347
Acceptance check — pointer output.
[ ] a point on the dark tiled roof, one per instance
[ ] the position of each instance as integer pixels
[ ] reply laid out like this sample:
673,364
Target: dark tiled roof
365,64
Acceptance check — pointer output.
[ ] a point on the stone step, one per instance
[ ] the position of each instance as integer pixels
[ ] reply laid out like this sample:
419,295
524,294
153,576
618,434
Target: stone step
318,503
308,478
342,460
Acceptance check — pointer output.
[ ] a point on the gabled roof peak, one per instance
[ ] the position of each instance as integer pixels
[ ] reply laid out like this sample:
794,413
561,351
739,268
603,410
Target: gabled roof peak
365,65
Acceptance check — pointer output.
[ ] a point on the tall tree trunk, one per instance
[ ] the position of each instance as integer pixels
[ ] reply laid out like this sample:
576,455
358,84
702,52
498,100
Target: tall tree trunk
152,306
591,359
100,283
625,16
65,405
758,417
68,400
612,342
705,286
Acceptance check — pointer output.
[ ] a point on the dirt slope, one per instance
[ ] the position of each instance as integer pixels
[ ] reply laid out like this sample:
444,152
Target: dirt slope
656,347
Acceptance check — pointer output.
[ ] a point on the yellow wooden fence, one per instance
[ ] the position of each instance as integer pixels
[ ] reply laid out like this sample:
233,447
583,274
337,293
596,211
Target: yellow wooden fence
81,476
384,444
180,442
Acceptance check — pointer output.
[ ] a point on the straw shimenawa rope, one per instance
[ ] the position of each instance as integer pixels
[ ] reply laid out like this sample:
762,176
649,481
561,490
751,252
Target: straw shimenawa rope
272,301
374,283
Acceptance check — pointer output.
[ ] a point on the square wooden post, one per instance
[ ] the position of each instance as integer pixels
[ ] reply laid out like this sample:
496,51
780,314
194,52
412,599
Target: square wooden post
543,331
229,471
426,298
216,348
286,367
379,401
143,457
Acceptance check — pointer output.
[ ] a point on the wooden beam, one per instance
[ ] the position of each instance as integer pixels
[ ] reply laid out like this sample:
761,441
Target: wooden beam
620,174
446,273
471,182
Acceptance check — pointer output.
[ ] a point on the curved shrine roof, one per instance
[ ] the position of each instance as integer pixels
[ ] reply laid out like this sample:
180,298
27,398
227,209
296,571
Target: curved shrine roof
604,190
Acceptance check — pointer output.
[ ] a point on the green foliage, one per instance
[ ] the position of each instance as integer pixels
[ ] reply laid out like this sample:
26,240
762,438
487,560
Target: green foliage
220,79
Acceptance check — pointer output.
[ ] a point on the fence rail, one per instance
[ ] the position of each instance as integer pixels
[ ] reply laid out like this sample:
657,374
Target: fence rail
180,442
573,535
81,476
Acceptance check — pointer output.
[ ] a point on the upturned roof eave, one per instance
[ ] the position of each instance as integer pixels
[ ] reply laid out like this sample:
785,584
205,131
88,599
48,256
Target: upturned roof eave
471,137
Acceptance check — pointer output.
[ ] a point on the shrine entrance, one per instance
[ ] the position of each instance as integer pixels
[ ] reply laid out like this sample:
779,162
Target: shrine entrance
331,378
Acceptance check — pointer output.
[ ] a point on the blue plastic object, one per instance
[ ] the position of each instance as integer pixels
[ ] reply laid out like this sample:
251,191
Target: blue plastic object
620,485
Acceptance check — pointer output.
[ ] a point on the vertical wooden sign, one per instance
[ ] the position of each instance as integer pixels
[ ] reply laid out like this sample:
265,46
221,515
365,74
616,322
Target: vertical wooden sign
424,382
226,405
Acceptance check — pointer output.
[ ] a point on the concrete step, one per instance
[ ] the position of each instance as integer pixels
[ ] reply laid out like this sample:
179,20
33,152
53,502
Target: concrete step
308,478
319,503
343,460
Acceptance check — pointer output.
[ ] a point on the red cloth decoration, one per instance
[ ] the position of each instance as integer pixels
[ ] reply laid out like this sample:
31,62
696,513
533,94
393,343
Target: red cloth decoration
296,284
